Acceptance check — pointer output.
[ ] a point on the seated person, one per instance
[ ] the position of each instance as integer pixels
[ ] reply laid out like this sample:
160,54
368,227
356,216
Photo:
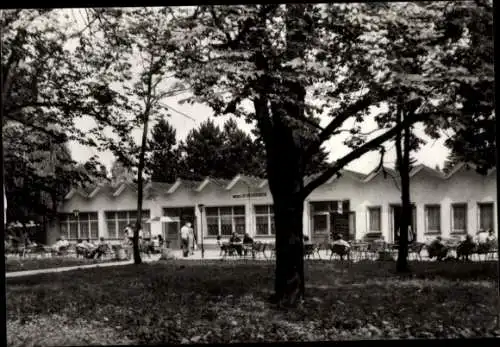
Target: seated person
340,241
438,249
80,247
58,245
247,239
235,241
100,250
156,241
466,247
340,247
491,236
235,238
482,236
89,245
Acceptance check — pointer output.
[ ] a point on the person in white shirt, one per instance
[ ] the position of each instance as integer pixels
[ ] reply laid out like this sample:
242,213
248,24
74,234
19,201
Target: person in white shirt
60,244
64,242
185,238
130,232
191,240
341,241
483,236
491,235
88,245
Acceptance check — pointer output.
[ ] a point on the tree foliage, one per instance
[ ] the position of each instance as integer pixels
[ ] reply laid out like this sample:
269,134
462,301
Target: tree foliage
136,91
46,89
164,157
220,153
469,27
294,62
39,172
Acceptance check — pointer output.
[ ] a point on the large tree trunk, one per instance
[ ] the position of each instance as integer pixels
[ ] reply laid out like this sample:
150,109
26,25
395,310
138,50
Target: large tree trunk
289,278
403,160
285,175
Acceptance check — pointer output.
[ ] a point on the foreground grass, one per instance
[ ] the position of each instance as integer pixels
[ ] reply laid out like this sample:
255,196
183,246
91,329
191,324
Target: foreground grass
25,264
226,302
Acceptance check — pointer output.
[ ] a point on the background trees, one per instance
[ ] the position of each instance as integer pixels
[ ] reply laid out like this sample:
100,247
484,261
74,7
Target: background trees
163,163
469,29
279,66
45,90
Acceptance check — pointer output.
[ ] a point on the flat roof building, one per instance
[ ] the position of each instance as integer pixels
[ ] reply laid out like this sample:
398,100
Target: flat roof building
354,204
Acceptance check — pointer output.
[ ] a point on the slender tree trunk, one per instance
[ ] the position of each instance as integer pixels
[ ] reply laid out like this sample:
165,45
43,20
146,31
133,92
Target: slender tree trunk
140,184
403,160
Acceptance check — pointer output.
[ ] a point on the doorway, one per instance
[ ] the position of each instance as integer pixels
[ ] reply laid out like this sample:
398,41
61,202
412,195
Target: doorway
172,229
330,218
396,211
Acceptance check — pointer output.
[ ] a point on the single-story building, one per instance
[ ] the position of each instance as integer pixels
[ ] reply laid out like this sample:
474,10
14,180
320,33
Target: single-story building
354,204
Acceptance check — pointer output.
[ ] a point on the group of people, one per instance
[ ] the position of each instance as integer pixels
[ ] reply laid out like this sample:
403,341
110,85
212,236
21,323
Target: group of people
483,239
90,250
61,244
237,244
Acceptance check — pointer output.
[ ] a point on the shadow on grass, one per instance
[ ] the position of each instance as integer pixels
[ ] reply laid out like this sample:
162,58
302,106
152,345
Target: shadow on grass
25,264
164,302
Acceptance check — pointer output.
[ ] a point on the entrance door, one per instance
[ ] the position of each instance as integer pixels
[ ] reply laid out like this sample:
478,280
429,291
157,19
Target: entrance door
171,233
339,223
172,230
396,211
327,221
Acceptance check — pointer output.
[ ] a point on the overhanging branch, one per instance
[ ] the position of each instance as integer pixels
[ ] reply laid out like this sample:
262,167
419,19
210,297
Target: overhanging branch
339,117
358,152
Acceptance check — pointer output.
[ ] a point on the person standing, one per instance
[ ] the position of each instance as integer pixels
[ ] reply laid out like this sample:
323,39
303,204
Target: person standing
191,240
185,239
130,232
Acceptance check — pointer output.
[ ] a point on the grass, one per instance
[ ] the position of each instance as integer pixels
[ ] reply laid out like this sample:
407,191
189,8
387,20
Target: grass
25,264
218,302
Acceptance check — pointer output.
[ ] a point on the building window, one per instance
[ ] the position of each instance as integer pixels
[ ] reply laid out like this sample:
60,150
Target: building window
264,220
320,216
374,216
486,216
459,219
433,219
116,221
83,226
225,220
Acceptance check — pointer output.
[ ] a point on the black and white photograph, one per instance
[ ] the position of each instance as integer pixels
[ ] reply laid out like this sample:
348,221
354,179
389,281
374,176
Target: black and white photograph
249,173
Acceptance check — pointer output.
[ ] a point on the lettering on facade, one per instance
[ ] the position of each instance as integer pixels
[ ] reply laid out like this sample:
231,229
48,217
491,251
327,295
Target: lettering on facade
251,195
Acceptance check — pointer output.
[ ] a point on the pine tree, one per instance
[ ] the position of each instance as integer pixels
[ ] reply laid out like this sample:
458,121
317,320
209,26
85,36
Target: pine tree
164,154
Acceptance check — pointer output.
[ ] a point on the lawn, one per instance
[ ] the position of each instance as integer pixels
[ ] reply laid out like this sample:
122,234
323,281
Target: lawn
217,302
24,264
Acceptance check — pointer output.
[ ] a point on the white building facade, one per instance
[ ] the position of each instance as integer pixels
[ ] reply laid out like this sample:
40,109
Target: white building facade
462,202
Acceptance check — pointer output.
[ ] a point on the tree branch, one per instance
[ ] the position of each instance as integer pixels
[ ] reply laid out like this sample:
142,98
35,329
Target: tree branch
219,25
246,26
350,130
340,116
358,152
60,137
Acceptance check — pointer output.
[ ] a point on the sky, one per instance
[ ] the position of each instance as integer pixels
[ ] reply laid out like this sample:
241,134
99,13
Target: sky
432,154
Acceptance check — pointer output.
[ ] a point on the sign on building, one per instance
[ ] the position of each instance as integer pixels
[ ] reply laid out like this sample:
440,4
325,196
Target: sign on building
251,195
